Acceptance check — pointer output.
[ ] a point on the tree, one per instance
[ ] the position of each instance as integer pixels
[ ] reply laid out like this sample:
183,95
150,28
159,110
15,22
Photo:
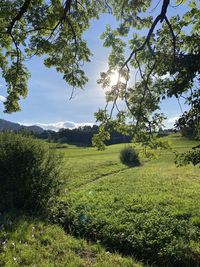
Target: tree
164,54
43,27
165,61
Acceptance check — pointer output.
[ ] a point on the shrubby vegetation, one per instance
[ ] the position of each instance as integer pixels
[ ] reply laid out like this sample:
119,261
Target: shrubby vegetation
154,214
129,157
190,128
191,156
30,173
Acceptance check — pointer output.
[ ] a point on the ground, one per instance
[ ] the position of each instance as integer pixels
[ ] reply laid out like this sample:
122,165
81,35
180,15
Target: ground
150,212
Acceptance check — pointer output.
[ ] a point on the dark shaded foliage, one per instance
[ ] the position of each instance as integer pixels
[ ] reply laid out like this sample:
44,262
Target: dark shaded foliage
30,173
82,136
129,157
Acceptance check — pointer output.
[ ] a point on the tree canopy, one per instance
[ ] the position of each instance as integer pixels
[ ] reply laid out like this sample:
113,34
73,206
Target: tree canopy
155,50
165,61
51,28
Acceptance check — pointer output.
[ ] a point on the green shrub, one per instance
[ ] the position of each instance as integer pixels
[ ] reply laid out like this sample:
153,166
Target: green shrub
129,157
30,173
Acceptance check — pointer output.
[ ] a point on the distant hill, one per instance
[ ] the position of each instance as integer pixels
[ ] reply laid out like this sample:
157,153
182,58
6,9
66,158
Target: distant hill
12,126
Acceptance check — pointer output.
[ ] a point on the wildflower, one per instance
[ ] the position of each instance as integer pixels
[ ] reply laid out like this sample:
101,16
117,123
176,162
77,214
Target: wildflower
33,230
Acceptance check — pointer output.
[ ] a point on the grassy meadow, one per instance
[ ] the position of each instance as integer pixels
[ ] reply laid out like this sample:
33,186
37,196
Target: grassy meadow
150,213
30,242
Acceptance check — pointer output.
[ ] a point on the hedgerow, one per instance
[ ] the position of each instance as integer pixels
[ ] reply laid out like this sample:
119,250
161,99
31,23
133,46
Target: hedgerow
30,173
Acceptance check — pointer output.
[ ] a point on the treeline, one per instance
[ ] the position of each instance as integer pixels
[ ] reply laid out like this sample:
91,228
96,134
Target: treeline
81,136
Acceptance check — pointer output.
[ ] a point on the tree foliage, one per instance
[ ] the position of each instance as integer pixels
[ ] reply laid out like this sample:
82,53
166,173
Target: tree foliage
163,62
191,156
37,27
155,49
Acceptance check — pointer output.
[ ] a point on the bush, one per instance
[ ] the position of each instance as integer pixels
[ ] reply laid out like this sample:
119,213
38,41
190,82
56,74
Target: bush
30,173
129,157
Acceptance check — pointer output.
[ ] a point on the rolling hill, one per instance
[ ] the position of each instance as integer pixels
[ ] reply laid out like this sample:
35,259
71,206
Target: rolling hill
11,126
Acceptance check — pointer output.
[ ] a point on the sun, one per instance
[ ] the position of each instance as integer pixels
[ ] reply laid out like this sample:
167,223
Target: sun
114,78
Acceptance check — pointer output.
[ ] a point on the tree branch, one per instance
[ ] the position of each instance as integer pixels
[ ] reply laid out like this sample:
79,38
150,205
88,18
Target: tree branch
22,10
160,18
173,39
18,56
146,88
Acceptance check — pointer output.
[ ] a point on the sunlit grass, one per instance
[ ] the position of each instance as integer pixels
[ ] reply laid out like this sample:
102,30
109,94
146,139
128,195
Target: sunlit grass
30,242
125,207
150,212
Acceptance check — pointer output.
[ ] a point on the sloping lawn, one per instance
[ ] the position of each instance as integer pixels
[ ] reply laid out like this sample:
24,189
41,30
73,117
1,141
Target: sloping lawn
28,242
151,212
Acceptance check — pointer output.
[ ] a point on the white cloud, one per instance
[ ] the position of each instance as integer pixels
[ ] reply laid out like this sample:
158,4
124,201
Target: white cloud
173,119
2,98
56,126
169,123
166,76
63,124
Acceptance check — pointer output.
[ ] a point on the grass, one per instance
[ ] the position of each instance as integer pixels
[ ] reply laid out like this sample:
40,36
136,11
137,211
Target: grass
29,242
84,165
150,212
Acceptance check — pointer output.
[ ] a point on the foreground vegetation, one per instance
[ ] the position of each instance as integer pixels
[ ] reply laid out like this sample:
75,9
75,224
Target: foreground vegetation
29,242
30,173
149,212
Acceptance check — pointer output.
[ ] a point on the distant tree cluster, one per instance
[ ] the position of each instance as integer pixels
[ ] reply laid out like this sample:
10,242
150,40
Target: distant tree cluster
82,136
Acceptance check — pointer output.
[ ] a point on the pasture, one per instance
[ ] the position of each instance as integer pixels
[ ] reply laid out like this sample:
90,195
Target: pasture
150,213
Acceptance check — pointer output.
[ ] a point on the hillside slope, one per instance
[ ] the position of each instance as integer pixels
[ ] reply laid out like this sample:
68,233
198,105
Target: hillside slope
11,126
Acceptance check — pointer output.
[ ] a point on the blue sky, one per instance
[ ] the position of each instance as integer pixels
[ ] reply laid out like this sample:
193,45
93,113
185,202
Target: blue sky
48,98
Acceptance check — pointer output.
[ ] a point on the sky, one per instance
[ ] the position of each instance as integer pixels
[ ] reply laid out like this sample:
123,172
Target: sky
48,103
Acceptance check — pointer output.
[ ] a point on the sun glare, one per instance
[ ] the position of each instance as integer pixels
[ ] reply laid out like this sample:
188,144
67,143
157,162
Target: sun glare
114,78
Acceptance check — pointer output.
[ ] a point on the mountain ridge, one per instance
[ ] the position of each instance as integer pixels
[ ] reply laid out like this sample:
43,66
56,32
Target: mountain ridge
13,126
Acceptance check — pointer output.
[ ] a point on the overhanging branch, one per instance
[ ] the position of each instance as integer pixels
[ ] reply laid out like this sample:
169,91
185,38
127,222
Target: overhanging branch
160,18
19,15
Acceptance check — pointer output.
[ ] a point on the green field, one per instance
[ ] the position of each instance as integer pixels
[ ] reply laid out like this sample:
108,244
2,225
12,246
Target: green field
30,242
150,213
